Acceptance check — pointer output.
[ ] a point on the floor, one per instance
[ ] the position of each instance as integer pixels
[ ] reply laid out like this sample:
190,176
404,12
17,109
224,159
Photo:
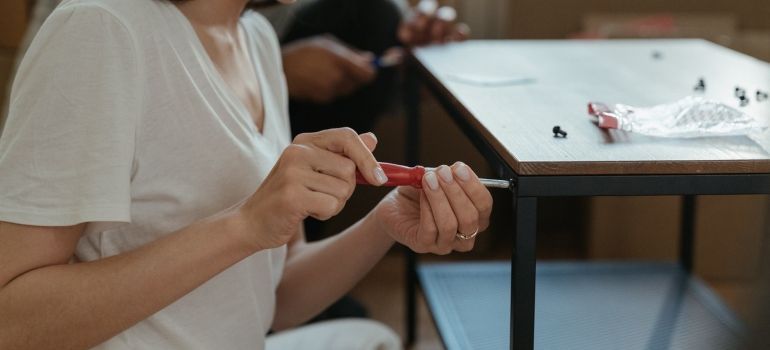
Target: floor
382,292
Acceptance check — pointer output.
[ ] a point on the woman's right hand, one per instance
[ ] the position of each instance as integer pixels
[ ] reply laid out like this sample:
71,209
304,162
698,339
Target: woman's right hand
315,176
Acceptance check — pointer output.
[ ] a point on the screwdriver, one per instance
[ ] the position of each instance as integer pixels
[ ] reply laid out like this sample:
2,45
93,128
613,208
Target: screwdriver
399,175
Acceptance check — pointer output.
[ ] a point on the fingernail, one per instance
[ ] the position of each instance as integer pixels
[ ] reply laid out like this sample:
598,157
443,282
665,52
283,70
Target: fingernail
463,172
380,176
430,178
445,173
372,135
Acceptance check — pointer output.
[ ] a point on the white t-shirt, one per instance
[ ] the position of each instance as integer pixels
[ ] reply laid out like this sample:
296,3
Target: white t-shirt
119,118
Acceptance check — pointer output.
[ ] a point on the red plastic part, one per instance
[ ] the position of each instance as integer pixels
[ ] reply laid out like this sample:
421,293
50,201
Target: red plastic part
398,175
597,108
608,121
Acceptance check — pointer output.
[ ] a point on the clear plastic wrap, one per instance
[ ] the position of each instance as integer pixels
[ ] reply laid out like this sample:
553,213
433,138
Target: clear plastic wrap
687,118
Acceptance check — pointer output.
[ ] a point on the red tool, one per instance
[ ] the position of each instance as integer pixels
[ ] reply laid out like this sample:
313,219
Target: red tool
399,175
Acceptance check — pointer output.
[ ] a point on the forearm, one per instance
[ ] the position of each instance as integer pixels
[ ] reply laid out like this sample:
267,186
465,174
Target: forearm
81,305
321,272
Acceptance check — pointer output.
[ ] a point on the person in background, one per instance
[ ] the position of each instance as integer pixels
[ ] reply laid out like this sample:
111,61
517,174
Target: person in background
152,197
328,49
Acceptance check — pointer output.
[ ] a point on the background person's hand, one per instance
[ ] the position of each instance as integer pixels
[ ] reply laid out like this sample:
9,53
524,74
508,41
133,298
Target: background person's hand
314,177
320,69
452,201
429,24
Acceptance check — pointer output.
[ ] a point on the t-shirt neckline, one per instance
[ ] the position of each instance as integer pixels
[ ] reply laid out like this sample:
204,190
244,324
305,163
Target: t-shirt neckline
229,95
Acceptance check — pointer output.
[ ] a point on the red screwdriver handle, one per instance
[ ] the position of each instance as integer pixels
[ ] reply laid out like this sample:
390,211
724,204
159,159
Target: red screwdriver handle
398,175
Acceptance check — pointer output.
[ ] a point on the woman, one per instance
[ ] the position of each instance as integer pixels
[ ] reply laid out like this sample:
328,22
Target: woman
150,196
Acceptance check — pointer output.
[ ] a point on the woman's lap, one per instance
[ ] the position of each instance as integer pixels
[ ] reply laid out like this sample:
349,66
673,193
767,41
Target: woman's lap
342,334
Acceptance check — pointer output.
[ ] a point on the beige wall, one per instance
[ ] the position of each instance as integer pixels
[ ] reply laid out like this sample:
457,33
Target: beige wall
555,18
13,22
13,19
728,239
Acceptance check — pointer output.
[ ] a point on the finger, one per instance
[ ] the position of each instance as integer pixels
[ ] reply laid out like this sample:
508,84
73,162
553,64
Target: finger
428,231
409,192
477,192
439,31
358,67
365,56
427,7
447,14
464,210
463,245
345,141
443,26
406,34
460,32
320,205
423,31
391,57
413,28
443,215
370,140
328,184
332,174
330,163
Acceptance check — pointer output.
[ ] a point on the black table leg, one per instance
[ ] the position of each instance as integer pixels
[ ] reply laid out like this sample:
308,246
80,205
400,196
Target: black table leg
523,273
412,111
687,238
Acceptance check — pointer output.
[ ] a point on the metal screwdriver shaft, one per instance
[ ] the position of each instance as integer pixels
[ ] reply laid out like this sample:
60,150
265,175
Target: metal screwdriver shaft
495,183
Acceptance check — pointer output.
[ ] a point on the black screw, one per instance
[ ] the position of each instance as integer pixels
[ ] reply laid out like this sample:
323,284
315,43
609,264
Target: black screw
744,101
657,55
557,131
739,92
761,96
701,85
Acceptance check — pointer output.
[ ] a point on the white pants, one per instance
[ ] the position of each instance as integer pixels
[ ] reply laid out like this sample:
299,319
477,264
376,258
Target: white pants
344,334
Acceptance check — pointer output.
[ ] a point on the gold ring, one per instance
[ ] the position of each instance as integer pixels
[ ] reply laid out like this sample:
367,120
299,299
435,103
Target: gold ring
465,237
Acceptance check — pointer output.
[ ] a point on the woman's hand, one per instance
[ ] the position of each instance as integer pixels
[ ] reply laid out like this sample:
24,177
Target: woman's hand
320,69
315,176
452,202
430,24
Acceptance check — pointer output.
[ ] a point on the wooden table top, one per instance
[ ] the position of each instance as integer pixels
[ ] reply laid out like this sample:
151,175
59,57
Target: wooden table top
557,78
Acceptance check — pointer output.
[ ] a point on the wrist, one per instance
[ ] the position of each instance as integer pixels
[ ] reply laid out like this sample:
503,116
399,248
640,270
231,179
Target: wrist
374,223
240,228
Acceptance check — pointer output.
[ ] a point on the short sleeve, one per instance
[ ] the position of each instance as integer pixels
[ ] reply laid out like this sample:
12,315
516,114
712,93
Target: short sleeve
67,149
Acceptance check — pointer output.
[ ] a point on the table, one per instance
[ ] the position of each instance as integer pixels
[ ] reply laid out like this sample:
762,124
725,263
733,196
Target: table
507,95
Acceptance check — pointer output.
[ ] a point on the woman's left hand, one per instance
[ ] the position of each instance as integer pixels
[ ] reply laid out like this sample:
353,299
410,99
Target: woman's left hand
452,203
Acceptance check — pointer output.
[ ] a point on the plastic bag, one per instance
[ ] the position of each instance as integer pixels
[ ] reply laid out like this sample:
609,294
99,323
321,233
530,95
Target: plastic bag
687,118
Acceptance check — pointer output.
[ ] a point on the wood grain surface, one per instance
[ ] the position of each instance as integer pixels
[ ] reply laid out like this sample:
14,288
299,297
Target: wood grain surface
514,92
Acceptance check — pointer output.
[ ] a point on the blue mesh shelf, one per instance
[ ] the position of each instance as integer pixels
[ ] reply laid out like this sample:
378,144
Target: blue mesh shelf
592,306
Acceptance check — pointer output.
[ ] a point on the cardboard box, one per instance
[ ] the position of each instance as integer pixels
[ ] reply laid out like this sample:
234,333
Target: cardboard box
14,22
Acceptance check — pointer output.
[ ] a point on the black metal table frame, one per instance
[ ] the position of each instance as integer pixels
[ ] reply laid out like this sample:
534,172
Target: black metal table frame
526,189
